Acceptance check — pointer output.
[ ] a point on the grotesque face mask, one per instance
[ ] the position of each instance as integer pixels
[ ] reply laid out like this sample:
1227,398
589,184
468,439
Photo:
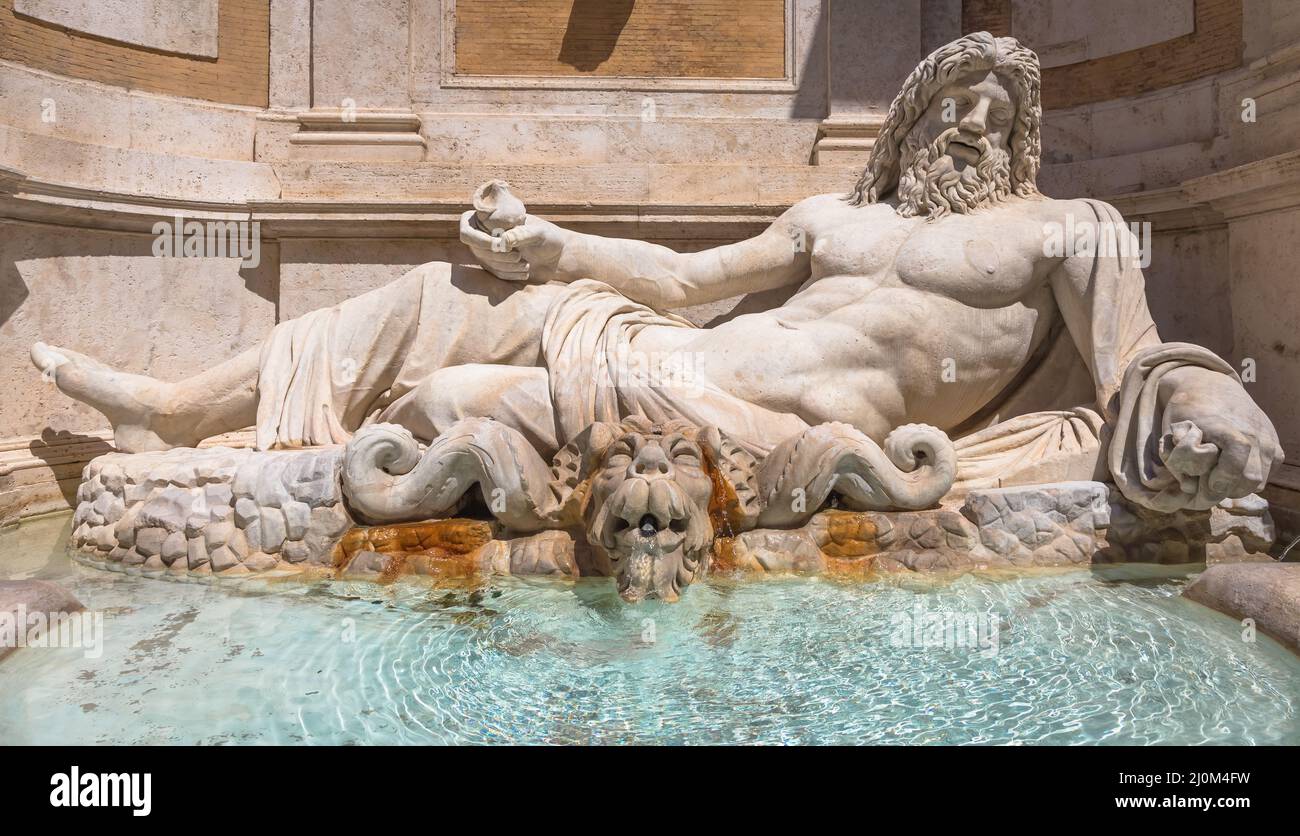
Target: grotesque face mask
649,509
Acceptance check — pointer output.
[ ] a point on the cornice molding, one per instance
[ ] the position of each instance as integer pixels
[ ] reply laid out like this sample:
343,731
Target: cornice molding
1265,185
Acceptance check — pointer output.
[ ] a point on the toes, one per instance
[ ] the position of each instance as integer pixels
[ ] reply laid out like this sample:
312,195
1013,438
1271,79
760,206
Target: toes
47,359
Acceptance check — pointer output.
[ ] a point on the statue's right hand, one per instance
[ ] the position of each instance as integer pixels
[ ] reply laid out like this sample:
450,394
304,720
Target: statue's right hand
494,253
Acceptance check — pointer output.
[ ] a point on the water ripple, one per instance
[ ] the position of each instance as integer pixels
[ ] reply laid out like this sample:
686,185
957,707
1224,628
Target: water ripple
1111,656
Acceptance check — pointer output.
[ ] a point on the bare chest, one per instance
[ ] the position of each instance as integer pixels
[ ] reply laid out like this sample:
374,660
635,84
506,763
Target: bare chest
988,260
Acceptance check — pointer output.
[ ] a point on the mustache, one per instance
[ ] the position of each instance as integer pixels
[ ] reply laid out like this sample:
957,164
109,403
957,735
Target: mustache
663,501
951,135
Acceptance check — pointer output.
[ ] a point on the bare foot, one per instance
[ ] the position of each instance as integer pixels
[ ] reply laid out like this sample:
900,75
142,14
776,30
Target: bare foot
136,406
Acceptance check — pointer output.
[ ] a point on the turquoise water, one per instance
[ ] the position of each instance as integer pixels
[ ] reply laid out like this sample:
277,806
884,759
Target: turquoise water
1082,657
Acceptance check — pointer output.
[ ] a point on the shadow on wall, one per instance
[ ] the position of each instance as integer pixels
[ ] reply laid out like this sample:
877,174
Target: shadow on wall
54,448
592,32
13,292
261,280
810,100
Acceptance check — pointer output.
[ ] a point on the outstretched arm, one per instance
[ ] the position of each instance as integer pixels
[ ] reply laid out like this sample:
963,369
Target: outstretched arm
649,273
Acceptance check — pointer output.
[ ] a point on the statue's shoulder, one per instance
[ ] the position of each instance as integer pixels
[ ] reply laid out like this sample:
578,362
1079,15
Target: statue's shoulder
832,209
1063,210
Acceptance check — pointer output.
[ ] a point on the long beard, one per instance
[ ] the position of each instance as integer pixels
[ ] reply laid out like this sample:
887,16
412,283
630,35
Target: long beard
930,186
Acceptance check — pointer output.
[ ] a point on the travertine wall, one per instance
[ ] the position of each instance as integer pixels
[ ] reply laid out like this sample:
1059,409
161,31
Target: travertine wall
384,114
105,292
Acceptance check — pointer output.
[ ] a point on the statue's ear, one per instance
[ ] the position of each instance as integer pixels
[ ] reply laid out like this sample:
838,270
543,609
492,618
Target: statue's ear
738,471
576,460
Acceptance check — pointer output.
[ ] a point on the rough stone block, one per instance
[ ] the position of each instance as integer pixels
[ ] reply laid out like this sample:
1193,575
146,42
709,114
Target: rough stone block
1269,593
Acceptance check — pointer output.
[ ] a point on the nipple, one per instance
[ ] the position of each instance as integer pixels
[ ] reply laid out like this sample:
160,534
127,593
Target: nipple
982,255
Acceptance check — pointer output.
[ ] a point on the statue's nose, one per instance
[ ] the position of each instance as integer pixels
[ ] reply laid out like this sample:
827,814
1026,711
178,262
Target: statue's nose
651,462
976,119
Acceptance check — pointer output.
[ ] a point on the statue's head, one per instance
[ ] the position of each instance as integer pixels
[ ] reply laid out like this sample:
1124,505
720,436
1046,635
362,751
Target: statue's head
654,499
963,132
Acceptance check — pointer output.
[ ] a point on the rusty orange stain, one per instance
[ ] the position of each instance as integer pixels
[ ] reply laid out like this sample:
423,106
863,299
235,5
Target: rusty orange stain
849,534
433,547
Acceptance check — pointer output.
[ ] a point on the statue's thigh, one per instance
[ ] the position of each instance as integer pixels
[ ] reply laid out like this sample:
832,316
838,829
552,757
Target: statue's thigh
517,396
470,316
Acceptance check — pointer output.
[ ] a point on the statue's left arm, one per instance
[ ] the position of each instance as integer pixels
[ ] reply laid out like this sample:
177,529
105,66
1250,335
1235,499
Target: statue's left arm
1184,431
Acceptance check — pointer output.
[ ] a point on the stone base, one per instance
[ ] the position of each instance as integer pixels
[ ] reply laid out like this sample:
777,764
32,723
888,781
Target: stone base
232,512
1267,593
1057,525
217,510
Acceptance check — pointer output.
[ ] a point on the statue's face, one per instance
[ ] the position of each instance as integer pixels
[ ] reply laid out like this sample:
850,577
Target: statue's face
957,158
980,108
649,511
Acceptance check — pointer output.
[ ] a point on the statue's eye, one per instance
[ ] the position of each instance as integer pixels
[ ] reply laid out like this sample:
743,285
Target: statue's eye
685,453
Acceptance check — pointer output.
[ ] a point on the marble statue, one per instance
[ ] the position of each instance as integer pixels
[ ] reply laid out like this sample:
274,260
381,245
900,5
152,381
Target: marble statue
930,294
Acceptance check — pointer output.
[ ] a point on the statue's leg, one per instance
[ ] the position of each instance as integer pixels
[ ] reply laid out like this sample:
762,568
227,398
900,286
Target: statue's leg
517,396
149,414
437,315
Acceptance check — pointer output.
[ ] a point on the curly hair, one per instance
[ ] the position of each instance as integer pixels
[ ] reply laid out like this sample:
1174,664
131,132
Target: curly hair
975,52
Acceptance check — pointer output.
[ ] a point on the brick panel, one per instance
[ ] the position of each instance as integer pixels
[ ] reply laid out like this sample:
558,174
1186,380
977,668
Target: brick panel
239,75
647,39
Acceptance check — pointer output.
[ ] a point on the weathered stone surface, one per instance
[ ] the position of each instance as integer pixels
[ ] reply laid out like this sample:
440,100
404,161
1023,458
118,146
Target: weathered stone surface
217,493
218,534
174,547
167,510
545,553
223,558
1269,593
297,516
149,541
369,565
294,551
212,506
196,552
1066,524
273,530
246,511
1063,524
260,562
778,551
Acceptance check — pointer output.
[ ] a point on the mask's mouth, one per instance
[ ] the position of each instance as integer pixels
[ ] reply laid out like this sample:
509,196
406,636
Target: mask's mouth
650,526
645,534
